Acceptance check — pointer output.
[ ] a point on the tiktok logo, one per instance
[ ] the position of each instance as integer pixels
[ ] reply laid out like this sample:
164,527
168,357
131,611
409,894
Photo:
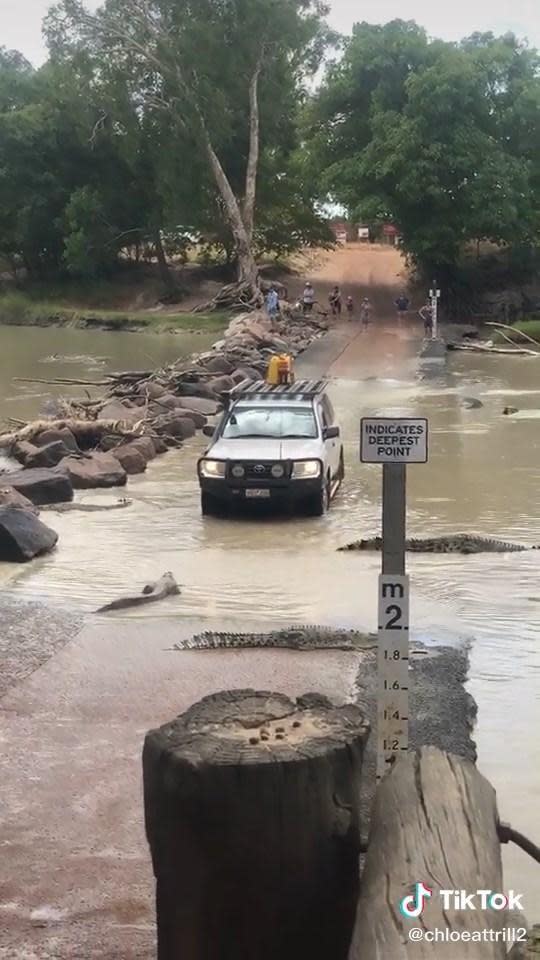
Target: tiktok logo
413,906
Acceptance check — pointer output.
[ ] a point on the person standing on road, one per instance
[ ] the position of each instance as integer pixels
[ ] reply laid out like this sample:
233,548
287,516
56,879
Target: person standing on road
365,312
308,298
350,307
402,303
335,301
426,313
272,302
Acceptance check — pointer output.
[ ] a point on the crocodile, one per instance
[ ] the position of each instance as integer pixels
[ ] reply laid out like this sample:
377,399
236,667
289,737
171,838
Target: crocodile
304,637
455,543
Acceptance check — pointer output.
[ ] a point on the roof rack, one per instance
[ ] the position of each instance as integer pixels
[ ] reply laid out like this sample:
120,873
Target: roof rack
301,390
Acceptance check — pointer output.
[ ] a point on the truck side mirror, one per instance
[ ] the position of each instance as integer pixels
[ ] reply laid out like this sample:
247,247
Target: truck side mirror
208,430
330,433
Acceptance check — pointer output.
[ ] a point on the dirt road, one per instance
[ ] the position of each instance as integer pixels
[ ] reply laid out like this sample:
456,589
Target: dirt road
361,270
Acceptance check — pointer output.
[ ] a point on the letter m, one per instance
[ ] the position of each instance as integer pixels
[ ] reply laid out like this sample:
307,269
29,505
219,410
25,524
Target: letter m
393,590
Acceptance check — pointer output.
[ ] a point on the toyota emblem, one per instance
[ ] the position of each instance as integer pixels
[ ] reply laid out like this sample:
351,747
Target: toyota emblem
259,468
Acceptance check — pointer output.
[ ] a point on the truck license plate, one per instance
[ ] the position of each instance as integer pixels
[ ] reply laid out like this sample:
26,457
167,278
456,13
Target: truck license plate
258,493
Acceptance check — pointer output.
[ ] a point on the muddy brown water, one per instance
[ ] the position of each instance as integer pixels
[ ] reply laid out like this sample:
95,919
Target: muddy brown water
483,477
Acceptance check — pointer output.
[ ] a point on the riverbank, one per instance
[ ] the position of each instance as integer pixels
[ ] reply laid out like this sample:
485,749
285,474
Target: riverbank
18,310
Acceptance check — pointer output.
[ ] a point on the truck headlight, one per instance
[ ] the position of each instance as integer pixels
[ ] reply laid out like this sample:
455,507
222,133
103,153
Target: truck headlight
212,469
306,469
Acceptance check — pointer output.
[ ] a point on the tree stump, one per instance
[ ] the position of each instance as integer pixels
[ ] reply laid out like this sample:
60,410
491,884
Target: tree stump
434,822
251,806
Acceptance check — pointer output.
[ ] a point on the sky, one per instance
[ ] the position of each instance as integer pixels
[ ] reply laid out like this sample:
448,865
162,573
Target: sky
20,20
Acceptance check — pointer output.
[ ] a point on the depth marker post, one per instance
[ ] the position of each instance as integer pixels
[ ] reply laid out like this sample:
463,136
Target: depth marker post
393,442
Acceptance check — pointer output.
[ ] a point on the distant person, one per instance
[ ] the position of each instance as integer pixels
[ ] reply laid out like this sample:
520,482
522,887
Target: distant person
402,304
272,302
308,298
349,303
426,313
335,302
365,312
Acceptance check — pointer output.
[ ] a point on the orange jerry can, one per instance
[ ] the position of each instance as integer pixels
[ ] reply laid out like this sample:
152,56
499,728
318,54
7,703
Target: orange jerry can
280,370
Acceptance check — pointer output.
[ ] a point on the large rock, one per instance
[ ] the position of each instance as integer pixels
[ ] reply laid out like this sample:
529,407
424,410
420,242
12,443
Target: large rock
152,390
159,445
245,373
22,450
94,470
167,402
221,384
119,410
200,404
48,456
218,365
23,536
171,425
43,485
131,459
199,419
257,326
63,434
196,388
146,446
12,498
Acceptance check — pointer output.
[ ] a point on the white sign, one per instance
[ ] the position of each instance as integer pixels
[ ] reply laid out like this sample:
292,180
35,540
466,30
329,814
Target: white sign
393,671
394,440
363,233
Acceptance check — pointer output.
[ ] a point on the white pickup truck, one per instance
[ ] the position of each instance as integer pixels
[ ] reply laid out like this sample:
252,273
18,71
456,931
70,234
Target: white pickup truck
274,443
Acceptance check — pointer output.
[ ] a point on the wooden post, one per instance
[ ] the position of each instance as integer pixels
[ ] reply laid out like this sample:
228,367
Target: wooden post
434,822
251,805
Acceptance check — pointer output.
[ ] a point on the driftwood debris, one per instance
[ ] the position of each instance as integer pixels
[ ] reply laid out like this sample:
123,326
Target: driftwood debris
252,819
166,586
435,821
64,382
514,330
234,296
490,348
79,429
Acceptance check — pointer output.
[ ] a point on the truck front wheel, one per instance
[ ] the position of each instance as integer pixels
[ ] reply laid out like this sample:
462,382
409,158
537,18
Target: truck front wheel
318,503
210,505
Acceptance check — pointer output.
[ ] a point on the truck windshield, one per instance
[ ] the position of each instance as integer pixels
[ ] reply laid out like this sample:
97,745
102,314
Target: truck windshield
279,423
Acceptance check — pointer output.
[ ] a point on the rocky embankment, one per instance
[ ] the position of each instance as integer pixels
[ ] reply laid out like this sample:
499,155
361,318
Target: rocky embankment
98,443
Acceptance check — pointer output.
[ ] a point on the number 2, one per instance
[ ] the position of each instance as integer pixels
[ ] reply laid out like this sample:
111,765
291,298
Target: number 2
395,614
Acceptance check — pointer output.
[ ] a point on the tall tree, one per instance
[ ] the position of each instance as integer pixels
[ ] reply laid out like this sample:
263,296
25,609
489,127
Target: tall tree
437,137
219,69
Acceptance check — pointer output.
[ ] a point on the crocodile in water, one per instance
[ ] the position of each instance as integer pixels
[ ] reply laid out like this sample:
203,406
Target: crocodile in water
293,638
458,543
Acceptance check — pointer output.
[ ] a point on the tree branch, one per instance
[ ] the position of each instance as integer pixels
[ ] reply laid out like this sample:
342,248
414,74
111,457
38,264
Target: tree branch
254,147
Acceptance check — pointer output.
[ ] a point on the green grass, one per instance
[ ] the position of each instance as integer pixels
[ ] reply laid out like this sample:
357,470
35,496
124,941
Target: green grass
530,326
19,309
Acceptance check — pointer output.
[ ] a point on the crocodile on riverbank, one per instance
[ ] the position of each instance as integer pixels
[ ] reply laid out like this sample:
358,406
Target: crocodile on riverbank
304,637
456,543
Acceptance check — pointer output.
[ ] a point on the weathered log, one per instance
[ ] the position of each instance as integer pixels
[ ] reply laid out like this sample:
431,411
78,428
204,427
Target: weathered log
488,348
63,382
166,586
434,822
251,804
79,429
243,295
515,331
